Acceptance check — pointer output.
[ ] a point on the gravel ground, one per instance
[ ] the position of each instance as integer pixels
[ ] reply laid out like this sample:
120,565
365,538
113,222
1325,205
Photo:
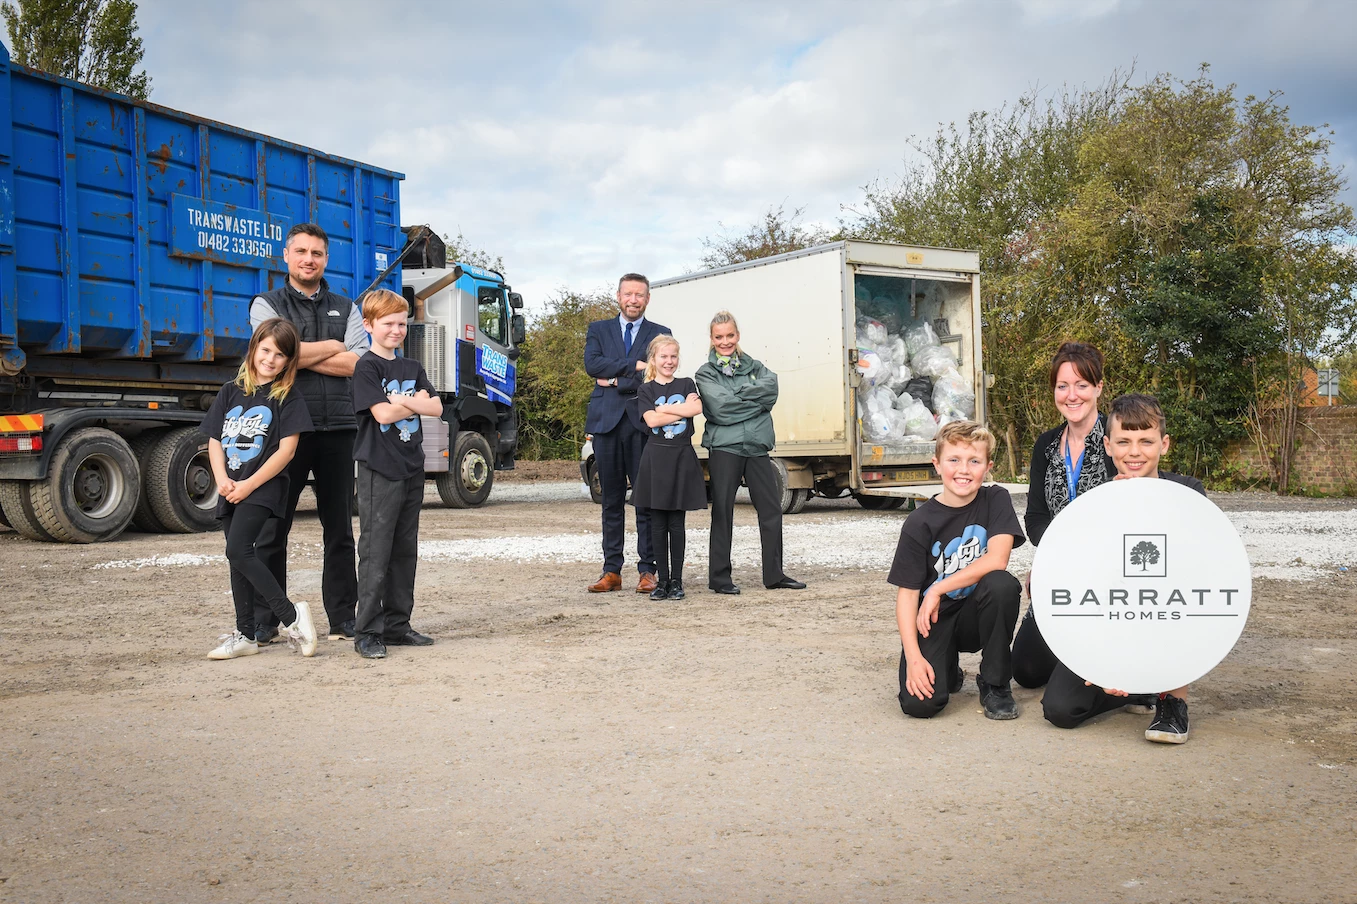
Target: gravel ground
561,746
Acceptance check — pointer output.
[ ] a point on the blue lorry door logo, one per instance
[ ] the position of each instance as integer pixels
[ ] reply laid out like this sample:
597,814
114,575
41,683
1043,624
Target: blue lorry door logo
498,372
407,426
960,552
671,430
243,434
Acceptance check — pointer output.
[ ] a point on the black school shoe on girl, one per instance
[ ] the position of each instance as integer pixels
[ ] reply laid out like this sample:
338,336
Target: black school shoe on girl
676,590
661,591
1170,721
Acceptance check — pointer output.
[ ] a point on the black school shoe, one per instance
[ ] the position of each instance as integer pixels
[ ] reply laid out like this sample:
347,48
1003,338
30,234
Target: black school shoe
661,591
264,635
370,647
676,590
728,590
410,638
344,630
997,700
1170,721
786,584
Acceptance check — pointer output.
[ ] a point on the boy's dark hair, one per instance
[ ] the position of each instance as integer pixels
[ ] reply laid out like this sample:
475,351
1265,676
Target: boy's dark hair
310,229
633,277
1136,411
1087,361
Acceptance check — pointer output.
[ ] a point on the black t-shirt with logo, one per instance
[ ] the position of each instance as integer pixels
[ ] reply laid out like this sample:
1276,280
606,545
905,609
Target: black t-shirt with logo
652,394
938,540
249,428
395,451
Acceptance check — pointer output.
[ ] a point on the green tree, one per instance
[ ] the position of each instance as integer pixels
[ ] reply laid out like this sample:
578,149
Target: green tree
461,251
91,41
553,389
777,233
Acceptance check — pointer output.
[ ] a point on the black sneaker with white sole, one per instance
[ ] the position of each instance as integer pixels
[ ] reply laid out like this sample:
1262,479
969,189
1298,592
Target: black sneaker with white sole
1170,721
997,700
344,630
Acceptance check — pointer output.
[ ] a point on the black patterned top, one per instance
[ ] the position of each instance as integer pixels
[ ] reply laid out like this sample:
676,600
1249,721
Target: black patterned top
1049,490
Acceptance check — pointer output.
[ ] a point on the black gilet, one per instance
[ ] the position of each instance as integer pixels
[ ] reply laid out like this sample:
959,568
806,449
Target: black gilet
329,399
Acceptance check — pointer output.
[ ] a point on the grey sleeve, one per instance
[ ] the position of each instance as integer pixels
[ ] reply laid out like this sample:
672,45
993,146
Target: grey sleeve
260,310
355,337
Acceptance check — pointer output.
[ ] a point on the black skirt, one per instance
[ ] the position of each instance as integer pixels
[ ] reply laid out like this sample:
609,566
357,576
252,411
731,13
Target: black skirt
670,478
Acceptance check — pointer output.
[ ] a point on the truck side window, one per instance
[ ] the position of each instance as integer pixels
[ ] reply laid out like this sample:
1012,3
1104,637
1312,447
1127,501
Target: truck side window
491,313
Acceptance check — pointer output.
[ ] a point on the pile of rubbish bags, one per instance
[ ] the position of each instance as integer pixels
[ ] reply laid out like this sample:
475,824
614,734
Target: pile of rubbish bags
910,383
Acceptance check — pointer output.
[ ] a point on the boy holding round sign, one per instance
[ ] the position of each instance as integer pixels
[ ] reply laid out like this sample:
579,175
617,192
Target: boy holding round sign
955,593
1147,598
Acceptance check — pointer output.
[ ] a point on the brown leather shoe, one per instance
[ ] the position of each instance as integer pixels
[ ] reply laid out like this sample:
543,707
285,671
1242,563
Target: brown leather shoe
647,583
608,581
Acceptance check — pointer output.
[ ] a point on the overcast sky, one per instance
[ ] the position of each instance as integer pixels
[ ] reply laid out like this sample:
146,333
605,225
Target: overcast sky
582,140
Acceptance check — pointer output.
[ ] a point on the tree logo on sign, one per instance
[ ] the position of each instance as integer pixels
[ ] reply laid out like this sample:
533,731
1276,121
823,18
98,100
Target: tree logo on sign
1145,556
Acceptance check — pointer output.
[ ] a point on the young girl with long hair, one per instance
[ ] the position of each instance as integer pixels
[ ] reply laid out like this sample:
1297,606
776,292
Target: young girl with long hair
669,482
252,430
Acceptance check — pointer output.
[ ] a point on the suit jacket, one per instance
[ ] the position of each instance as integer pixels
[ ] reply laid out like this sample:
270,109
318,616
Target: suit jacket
605,357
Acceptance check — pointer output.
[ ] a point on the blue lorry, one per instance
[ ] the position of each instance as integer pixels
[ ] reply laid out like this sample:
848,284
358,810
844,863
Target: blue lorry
133,238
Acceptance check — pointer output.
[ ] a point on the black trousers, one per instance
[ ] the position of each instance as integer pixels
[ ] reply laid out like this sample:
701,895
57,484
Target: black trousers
251,579
388,551
329,455
727,470
1069,703
1033,660
617,454
982,621
667,533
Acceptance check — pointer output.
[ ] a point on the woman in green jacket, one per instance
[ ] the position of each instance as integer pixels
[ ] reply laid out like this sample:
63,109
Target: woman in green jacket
738,394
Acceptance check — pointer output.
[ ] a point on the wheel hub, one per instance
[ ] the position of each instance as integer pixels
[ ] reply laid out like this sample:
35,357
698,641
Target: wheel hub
474,471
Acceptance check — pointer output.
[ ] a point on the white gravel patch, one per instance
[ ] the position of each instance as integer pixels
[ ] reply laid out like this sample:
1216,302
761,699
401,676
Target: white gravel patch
174,560
1291,546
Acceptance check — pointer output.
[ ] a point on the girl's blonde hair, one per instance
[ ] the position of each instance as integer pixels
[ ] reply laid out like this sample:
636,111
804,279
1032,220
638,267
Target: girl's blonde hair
726,317
653,349
286,340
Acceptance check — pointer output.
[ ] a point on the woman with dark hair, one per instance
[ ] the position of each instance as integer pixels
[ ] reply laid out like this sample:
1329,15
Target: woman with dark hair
1067,461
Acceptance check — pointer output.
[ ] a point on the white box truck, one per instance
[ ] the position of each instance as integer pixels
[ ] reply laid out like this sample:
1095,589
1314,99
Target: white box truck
799,313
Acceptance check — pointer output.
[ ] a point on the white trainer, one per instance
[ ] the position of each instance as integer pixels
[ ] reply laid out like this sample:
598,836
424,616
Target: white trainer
233,646
303,630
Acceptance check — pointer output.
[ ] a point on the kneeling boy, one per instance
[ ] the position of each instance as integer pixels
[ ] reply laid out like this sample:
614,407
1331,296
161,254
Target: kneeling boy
1135,441
389,396
955,593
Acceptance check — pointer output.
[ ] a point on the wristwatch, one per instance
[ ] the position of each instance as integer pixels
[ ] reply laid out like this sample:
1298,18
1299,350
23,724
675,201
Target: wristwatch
613,381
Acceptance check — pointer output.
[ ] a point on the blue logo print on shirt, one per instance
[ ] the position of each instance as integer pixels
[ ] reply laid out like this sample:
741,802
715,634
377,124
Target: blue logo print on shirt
674,429
960,552
409,425
243,434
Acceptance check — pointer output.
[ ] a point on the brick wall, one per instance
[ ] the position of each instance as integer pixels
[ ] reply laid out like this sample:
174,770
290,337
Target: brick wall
1326,460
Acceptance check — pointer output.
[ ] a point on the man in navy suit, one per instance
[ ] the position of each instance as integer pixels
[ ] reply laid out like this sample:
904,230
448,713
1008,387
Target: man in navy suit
615,356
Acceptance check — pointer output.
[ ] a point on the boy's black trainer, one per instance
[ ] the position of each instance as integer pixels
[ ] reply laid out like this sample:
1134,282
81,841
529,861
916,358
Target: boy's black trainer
1170,721
997,700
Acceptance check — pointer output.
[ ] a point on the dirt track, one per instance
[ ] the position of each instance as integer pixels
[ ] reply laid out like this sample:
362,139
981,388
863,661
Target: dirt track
557,746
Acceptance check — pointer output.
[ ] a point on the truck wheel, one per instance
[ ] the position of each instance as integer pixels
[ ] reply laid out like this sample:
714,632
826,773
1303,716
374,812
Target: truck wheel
144,519
595,485
18,509
470,474
3,522
91,488
880,503
793,501
180,486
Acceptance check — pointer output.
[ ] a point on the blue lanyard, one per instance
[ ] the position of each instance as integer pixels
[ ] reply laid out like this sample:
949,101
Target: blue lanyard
1072,469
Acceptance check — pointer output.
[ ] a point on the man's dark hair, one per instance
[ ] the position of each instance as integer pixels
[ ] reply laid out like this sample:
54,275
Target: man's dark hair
633,277
1135,411
1087,361
310,229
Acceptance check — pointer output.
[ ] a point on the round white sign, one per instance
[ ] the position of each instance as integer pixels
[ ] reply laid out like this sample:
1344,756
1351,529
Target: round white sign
1141,585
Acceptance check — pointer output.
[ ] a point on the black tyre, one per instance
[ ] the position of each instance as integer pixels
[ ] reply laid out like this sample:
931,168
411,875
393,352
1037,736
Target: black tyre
91,489
595,485
471,472
793,501
880,503
3,522
144,519
180,486
18,509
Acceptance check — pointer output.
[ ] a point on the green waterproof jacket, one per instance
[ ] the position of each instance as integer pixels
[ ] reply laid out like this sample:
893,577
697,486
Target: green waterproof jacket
738,409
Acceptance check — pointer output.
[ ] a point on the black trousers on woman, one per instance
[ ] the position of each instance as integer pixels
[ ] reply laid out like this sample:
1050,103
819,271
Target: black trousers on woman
244,525
727,470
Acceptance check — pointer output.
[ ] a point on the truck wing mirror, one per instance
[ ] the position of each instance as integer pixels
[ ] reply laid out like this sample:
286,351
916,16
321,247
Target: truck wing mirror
518,329
515,301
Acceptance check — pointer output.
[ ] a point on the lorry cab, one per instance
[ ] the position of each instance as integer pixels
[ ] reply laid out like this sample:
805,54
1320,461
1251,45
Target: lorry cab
466,328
